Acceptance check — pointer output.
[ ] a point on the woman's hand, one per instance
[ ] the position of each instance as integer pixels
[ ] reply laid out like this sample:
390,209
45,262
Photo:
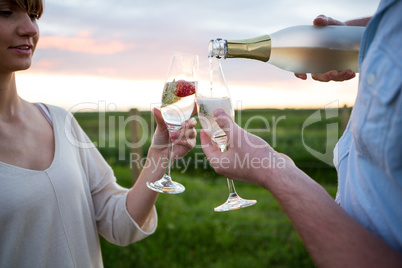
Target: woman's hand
333,75
184,139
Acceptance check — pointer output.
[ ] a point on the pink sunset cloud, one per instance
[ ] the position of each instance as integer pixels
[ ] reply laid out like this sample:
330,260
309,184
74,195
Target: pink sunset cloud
82,45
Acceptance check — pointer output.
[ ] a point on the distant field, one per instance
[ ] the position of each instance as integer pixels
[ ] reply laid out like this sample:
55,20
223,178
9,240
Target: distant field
296,133
190,233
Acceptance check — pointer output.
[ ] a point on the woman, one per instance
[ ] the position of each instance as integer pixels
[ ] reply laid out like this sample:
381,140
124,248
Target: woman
55,196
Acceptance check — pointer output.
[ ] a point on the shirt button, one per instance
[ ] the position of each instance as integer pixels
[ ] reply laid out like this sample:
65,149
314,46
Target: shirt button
371,79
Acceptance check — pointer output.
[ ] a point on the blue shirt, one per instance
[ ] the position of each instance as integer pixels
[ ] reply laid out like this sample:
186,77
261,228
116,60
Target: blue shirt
368,157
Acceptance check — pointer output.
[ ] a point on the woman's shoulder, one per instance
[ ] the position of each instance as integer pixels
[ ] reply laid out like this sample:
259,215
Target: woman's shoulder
56,111
54,108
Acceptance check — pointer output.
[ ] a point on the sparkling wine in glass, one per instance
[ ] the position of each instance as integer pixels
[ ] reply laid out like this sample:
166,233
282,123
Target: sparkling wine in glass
178,100
212,94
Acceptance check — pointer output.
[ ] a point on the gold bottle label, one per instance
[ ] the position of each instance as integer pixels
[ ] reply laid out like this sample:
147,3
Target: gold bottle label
258,48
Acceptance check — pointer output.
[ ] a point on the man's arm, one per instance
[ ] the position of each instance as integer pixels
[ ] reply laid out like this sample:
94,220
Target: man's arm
358,22
330,235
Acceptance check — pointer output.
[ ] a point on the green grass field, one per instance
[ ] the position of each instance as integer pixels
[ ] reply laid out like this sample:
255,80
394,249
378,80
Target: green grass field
190,233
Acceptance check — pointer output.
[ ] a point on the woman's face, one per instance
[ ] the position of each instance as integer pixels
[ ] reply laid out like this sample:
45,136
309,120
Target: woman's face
19,34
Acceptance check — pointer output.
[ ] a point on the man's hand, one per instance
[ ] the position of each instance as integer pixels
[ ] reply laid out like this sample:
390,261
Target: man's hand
333,75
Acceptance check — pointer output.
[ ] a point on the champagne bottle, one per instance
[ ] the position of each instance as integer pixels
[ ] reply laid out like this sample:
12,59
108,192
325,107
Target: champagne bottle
300,49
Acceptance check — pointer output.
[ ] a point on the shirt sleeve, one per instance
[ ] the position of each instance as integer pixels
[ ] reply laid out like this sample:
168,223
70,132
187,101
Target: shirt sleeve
109,199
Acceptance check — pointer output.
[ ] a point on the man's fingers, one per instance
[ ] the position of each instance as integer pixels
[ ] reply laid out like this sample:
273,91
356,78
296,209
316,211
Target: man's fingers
208,146
345,75
334,76
301,76
323,20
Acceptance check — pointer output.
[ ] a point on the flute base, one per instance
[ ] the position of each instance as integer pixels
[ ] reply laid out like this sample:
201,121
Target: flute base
234,202
166,186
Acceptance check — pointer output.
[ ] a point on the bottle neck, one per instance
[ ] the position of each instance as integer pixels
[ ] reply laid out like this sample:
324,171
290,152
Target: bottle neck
217,48
258,48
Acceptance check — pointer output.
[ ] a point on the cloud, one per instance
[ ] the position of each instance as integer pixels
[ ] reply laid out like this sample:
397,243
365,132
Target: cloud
83,45
135,39
131,41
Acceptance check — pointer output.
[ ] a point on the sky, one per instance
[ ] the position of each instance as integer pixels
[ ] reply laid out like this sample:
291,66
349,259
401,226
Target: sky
118,52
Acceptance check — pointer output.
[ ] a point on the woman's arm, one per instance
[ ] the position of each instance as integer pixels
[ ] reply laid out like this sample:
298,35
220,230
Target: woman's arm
141,199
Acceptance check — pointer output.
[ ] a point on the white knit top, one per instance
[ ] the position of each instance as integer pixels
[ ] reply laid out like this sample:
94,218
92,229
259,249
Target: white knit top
52,218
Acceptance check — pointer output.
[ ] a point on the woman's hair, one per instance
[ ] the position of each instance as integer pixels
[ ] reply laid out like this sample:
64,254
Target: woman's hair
31,6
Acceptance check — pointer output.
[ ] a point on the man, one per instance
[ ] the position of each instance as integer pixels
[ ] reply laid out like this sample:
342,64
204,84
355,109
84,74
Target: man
363,228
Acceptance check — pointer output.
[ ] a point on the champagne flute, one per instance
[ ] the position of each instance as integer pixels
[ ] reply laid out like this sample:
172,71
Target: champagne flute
213,93
178,100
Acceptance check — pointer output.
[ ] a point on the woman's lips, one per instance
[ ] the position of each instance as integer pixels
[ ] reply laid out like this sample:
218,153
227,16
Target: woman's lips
23,49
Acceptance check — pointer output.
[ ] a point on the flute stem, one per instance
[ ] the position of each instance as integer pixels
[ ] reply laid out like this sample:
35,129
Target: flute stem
169,155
